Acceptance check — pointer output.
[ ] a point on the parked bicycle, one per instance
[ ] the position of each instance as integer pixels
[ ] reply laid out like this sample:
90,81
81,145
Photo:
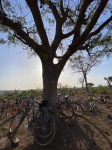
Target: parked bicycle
4,107
69,108
100,99
88,106
78,109
45,125
40,121
64,107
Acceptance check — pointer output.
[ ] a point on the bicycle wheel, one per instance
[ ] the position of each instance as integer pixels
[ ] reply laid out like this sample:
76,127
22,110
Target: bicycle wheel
66,109
16,122
44,129
78,109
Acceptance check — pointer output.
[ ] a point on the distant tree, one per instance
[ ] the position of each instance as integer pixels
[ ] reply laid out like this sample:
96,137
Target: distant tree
109,81
83,63
90,85
56,29
81,81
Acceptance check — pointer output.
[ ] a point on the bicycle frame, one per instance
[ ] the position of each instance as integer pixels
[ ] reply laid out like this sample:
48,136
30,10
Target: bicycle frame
24,113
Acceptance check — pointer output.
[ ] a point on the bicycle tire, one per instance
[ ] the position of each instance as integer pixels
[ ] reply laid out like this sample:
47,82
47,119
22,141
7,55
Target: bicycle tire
16,122
44,133
78,109
66,109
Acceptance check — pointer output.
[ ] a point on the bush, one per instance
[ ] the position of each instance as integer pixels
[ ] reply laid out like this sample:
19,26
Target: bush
102,89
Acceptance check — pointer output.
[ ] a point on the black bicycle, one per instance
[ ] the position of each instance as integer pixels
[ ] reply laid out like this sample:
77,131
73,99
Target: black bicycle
45,125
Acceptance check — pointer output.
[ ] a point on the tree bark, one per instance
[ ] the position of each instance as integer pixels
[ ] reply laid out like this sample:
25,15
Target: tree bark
109,84
85,78
50,79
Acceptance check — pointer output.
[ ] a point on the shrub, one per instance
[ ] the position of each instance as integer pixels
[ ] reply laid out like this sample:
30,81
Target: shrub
102,89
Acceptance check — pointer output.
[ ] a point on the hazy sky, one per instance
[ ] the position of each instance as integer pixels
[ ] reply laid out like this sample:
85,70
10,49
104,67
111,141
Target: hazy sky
18,71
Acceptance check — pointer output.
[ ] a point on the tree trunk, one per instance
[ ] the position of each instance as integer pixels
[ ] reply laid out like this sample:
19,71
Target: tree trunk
109,84
85,78
50,80
83,85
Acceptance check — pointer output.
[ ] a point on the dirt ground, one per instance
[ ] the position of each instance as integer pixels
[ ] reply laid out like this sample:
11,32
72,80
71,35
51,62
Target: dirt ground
89,132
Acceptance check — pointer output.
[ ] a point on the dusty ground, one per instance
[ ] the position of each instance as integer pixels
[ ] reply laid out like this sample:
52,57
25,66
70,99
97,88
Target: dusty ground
90,132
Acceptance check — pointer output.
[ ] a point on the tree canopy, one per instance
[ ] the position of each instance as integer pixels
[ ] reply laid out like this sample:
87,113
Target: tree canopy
48,24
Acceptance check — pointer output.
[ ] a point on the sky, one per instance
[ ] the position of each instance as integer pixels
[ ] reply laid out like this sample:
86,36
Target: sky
19,72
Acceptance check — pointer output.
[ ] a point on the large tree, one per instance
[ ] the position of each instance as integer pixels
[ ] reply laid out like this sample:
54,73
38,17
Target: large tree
56,29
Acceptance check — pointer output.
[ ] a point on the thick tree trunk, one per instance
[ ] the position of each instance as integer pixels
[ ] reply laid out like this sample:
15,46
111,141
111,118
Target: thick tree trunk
50,80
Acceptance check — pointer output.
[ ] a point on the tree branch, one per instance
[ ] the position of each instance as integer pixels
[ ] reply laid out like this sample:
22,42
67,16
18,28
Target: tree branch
92,23
68,34
81,18
20,39
22,34
61,7
55,12
33,5
100,28
58,31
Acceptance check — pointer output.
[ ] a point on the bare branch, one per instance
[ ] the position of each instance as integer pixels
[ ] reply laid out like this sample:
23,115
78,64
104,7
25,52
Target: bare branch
33,5
20,39
20,33
68,34
61,7
55,12
93,21
81,18
58,30
100,28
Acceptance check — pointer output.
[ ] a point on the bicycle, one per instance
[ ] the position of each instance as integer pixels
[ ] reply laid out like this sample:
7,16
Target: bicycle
20,115
45,126
64,107
78,109
100,99
4,107
41,122
88,106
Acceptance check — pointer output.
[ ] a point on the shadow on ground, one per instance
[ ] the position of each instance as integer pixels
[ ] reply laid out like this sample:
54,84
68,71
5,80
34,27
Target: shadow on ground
82,135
